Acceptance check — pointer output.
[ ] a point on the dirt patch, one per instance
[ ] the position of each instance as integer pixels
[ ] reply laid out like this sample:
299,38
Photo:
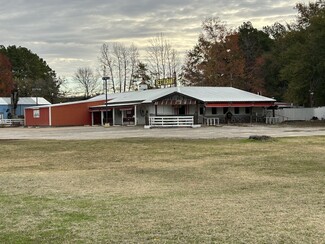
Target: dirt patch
311,123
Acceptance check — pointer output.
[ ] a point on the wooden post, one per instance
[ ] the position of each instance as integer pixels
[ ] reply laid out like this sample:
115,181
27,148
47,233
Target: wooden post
135,114
251,115
113,116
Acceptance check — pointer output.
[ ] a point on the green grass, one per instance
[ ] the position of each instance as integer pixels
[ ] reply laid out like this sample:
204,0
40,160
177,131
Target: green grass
163,191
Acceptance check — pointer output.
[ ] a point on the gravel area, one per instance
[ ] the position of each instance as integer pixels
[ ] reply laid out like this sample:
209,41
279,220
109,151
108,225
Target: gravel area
89,133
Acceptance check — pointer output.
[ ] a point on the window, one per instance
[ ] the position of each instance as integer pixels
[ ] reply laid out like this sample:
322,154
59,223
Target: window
36,113
201,110
214,110
247,110
236,110
225,110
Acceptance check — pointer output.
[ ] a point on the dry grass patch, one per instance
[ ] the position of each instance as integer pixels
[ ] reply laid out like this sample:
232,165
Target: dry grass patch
163,190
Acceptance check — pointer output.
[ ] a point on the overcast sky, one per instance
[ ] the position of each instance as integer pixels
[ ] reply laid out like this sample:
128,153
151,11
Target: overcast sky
68,34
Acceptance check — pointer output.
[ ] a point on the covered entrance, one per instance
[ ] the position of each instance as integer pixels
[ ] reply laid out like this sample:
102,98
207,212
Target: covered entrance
237,112
117,114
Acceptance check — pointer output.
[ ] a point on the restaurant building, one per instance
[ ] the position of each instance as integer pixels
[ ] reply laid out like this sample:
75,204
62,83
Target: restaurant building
202,104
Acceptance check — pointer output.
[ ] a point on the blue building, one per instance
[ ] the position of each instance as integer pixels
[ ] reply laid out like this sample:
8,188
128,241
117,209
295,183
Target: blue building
23,102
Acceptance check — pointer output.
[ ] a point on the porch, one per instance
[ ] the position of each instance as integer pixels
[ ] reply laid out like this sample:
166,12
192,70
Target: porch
116,114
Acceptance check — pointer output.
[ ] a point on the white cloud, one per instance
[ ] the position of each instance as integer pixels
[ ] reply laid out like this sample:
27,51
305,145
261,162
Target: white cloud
68,34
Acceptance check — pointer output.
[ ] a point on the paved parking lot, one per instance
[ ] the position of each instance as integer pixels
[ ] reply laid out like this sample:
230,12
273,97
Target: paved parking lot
88,133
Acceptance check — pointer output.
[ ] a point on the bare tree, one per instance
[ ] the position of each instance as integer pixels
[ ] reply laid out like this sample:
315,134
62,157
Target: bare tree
107,60
163,60
125,53
86,80
117,54
134,60
121,62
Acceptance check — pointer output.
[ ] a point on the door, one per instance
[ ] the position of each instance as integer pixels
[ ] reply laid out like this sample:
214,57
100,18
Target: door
182,110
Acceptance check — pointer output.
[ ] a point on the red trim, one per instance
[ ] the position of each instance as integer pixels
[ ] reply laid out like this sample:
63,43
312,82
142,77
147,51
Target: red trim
239,104
99,109
126,108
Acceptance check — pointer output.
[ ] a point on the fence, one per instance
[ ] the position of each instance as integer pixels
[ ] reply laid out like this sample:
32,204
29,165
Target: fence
272,120
171,121
12,122
211,121
305,114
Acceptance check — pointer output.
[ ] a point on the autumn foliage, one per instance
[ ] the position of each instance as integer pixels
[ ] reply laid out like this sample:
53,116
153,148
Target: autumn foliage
281,61
220,59
6,79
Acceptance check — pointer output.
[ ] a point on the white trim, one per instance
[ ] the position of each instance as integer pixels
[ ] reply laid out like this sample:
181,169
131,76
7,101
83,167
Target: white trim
50,116
36,113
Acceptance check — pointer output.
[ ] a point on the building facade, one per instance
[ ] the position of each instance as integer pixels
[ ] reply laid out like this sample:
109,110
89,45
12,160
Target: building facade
227,104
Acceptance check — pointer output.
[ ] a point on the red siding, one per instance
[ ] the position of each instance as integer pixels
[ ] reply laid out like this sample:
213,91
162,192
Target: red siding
62,115
73,114
43,119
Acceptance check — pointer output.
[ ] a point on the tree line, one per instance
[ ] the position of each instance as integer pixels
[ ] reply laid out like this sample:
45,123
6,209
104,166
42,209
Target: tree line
284,61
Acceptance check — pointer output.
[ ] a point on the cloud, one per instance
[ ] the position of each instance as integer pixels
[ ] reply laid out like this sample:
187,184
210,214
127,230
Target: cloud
68,34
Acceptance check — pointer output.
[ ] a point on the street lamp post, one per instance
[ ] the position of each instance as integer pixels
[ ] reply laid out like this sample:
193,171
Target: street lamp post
105,79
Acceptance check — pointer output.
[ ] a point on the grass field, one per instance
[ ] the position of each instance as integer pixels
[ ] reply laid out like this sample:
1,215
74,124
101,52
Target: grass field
163,191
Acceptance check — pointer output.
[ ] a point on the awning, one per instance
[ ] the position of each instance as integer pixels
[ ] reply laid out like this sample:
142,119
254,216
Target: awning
98,109
120,106
239,104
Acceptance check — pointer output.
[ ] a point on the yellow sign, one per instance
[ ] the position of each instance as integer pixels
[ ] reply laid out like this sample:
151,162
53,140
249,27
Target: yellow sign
165,82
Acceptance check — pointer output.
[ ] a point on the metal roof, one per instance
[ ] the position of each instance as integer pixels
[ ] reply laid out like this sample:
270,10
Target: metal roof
204,94
223,94
25,101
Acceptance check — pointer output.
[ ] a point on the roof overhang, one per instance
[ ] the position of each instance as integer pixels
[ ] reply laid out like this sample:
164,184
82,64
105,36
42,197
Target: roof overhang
238,104
109,107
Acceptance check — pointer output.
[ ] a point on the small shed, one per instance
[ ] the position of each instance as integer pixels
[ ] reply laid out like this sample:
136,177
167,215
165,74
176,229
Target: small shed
6,106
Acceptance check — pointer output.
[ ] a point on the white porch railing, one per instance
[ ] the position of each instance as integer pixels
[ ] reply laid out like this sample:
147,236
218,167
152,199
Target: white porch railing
171,121
211,121
11,122
272,120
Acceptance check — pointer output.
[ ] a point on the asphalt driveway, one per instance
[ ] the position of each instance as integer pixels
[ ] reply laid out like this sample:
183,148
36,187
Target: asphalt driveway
89,133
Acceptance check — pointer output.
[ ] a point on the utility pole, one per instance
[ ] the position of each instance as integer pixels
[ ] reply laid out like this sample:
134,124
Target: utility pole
105,79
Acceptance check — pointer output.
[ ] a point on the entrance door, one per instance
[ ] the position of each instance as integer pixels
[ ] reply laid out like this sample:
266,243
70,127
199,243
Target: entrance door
182,110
